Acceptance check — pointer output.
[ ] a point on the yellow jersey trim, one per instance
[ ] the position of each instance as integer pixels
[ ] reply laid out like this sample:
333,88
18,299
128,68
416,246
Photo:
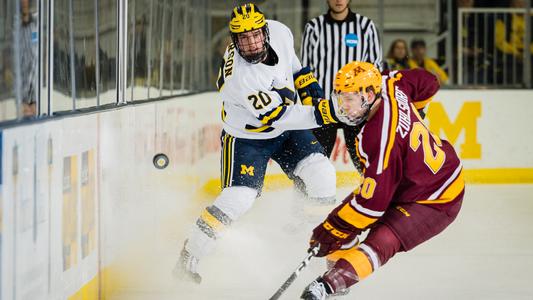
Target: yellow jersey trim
457,186
423,103
354,218
394,118
357,258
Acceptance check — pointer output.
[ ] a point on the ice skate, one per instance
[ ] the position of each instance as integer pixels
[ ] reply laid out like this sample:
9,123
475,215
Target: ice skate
316,290
340,293
186,267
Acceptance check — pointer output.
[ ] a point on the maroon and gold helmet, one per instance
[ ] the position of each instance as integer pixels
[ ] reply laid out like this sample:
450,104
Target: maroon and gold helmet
351,88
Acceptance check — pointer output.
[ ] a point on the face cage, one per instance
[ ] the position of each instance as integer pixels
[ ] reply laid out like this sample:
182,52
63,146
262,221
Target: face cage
253,58
343,115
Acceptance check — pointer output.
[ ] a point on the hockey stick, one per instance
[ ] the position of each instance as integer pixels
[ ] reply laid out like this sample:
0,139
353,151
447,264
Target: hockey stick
295,274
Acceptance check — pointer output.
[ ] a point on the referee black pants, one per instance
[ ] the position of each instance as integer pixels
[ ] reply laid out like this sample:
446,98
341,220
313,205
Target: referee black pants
326,136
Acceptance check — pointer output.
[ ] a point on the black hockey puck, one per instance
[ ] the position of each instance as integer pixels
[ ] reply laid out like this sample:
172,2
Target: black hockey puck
160,161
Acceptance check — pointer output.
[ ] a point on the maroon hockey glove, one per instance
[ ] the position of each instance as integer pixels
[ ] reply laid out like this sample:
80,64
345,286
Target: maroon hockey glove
332,234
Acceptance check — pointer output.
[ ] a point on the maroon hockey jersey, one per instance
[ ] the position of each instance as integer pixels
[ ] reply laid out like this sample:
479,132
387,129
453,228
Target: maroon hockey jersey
403,162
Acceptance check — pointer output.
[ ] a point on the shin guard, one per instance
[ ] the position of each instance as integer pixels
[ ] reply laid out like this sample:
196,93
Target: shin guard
355,264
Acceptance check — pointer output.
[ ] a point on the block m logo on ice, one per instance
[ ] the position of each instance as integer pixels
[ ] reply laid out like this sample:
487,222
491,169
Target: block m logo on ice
466,121
247,170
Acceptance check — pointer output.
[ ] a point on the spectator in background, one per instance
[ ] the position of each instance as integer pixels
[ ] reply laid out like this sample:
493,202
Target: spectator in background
477,45
28,47
509,40
419,59
329,42
6,73
397,58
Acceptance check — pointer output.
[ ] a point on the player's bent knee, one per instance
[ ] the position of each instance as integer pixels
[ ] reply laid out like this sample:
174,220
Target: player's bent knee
319,176
234,201
383,242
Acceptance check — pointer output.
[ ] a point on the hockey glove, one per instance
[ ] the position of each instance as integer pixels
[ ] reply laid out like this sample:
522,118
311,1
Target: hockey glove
331,235
307,86
324,112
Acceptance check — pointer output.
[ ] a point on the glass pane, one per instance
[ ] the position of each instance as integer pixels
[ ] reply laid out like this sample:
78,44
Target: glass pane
167,47
84,53
155,48
28,49
138,45
177,65
7,71
43,105
61,95
107,31
188,48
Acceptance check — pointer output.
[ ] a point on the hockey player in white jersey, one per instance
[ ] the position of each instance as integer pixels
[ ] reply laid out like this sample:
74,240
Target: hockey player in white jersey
258,81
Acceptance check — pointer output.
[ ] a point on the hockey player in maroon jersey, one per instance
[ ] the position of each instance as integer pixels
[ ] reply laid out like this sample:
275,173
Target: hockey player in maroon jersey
412,186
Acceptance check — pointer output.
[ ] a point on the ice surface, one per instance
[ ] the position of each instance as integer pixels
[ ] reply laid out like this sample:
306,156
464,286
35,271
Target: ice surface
486,254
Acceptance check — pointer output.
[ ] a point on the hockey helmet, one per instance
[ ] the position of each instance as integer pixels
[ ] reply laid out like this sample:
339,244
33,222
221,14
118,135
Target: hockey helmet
249,32
352,85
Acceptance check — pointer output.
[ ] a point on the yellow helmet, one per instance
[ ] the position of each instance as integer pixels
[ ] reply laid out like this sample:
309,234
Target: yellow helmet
245,18
358,76
350,96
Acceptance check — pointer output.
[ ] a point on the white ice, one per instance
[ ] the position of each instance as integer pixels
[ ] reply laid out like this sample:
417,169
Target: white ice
487,253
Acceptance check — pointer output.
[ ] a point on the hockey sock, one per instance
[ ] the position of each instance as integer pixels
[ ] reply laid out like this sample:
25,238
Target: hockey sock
209,227
352,266
355,264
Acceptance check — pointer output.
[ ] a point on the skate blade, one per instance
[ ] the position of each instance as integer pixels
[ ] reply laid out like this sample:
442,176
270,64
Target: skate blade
187,276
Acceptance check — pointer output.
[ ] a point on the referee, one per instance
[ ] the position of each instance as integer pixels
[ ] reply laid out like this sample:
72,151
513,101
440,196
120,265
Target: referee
329,42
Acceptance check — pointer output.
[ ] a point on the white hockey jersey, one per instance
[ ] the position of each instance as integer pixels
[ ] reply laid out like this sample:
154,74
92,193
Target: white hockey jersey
259,101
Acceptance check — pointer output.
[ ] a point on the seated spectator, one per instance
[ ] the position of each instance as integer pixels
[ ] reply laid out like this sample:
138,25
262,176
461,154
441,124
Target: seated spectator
397,58
509,40
477,39
28,45
6,73
420,60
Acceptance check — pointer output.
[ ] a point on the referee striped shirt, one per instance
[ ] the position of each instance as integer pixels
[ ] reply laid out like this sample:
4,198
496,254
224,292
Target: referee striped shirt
327,45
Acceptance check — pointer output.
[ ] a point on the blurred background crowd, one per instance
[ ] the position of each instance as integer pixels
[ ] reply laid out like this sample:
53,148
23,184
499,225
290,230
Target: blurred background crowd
64,56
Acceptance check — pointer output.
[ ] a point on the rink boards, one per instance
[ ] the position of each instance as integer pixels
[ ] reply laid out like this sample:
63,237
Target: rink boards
67,184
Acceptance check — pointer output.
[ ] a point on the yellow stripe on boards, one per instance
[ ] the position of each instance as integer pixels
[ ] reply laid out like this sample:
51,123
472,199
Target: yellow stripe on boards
88,291
499,176
352,179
